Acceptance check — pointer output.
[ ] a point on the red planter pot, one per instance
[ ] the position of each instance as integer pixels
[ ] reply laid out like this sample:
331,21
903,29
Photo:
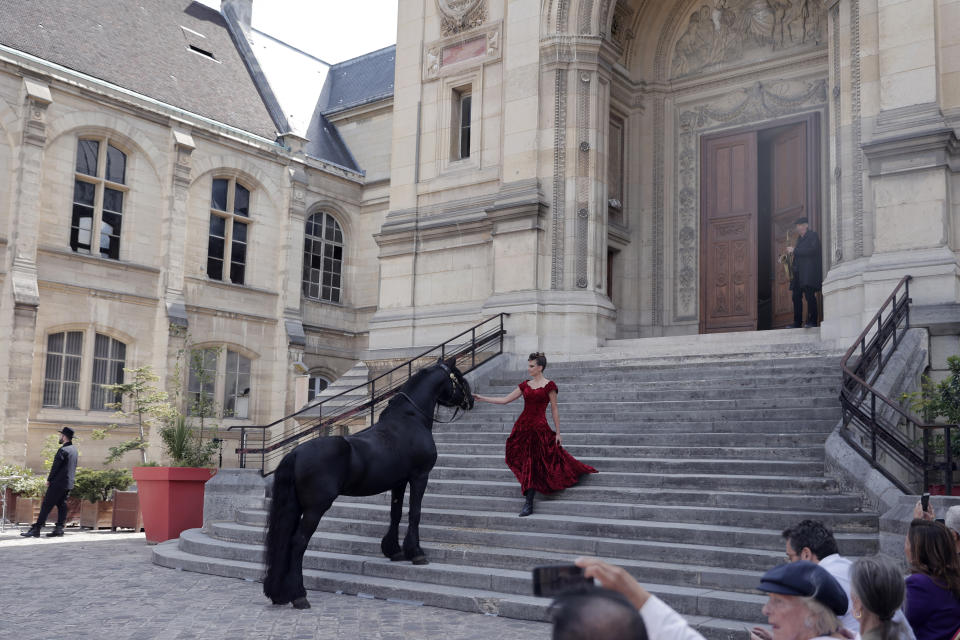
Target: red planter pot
171,499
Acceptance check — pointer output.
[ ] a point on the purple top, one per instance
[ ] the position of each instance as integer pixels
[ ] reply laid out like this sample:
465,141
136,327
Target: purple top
932,611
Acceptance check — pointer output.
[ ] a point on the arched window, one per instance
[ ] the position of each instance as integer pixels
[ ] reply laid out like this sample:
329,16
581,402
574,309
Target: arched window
64,374
99,188
218,383
229,219
317,384
323,258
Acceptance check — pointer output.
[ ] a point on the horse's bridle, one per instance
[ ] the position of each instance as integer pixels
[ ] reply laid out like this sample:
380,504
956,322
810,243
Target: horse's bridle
456,385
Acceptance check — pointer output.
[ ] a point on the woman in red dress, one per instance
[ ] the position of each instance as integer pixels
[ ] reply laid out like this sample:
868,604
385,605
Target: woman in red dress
534,451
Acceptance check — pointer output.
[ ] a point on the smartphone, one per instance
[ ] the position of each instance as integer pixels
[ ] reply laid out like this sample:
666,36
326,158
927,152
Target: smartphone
552,580
925,502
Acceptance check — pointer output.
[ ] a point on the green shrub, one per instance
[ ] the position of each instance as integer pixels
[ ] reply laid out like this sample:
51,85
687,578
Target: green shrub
95,486
28,485
185,447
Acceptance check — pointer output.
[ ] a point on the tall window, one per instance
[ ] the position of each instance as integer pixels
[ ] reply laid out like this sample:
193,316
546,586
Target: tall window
109,357
61,383
323,258
463,102
218,383
98,191
229,219
615,172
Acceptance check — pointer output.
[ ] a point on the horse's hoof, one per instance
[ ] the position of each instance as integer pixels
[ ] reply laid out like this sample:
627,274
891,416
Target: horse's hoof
301,603
420,560
397,557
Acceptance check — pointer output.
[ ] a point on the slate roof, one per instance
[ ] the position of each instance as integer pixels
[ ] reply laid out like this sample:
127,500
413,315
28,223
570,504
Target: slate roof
364,79
143,46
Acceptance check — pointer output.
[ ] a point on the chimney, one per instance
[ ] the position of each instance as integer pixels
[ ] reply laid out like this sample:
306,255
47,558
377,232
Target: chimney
241,10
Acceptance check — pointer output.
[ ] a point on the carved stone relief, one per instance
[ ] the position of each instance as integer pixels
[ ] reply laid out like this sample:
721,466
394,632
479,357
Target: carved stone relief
755,104
457,16
719,32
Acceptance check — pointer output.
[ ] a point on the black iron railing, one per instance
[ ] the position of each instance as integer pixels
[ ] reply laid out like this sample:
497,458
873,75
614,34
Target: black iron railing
894,441
360,405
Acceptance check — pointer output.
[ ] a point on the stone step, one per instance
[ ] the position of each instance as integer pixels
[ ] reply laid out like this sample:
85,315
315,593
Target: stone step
725,421
670,512
694,391
496,448
631,407
700,604
711,435
654,465
819,502
704,481
501,529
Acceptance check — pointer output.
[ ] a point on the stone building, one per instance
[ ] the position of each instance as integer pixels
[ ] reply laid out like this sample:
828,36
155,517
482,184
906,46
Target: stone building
231,214
597,168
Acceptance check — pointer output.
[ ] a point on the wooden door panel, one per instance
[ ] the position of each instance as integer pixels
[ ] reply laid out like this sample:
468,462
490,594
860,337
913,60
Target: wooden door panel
789,201
728,223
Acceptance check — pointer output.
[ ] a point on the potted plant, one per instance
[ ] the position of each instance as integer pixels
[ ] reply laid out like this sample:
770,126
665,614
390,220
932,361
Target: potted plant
29,491
171,497
95,490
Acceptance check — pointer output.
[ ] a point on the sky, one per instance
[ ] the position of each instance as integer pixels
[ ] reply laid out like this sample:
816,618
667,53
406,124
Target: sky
332,30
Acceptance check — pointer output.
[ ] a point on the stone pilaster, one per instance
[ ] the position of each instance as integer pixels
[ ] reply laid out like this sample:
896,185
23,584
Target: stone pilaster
21,296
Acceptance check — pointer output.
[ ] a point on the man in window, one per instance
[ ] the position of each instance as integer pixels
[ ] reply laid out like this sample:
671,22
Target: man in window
59,484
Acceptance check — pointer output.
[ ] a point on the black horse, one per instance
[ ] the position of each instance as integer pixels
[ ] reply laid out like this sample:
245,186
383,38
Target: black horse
396,451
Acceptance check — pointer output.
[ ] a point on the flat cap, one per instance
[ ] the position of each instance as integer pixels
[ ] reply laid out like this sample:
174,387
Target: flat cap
806,579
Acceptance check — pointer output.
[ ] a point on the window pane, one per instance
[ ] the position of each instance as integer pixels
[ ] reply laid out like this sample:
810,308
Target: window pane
465,104
55,342
54,364
51,393
215,268
241,200
84,192
75,343
215,248
71,369
116,165
107,370
218,200
101,346
80,228
239,231
330,230
70,395
110,235
87,151
218,226
239,253
237,272
113,200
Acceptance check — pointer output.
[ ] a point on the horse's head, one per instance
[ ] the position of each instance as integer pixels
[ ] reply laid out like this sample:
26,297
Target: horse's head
456,391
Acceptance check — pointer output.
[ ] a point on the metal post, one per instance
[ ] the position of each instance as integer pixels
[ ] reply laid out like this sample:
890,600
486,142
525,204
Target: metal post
873,426
263,450
949,470
372,396
926,461
243,446
473,347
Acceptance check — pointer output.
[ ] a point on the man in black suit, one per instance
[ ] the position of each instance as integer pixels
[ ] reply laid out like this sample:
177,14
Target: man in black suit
59,484
807,274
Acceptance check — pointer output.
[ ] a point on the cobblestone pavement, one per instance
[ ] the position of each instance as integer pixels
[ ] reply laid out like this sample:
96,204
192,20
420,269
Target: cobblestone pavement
103,585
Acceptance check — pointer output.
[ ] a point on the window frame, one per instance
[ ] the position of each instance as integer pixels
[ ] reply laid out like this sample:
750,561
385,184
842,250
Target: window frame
230,218
311,392
305,283
459,95
219,392
87,356
101,184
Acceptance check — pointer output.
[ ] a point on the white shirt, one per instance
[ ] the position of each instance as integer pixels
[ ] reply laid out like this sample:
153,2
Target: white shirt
839,567
663,623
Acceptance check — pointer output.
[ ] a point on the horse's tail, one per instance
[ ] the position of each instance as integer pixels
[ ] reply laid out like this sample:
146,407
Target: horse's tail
285,512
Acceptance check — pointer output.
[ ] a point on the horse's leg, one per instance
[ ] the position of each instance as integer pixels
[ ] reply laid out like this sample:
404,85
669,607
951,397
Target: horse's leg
411,543
298,547
390,544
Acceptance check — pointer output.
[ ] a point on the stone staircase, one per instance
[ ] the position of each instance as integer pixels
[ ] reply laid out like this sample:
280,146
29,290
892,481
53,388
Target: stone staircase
701,466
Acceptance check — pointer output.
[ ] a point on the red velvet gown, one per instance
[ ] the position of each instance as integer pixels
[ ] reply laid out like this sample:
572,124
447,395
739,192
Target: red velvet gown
532,450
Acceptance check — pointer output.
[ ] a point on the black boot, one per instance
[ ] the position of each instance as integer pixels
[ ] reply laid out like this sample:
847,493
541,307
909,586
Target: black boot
57,532
32,532
528,505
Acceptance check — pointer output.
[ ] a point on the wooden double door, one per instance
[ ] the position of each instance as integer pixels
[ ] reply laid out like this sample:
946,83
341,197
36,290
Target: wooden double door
754,184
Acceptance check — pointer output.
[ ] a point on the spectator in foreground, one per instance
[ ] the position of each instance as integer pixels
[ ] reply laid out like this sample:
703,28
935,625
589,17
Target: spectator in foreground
805,602
932,603
596,613
877,590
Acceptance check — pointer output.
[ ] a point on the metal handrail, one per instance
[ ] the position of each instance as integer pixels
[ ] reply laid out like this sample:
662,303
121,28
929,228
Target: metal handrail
884,425
482,335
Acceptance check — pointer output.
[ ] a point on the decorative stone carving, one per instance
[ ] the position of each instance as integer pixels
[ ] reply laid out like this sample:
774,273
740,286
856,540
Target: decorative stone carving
452,55
754,104
620,32
457,16
558,203
725,31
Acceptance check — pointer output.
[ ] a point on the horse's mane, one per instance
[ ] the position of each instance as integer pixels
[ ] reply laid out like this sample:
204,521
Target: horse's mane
415,379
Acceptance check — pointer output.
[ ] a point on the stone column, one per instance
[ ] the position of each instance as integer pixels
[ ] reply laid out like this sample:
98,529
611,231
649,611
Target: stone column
21,295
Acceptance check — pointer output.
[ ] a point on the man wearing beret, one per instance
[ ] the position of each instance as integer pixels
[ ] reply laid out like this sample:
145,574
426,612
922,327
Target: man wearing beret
792,587
807,274
59,484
